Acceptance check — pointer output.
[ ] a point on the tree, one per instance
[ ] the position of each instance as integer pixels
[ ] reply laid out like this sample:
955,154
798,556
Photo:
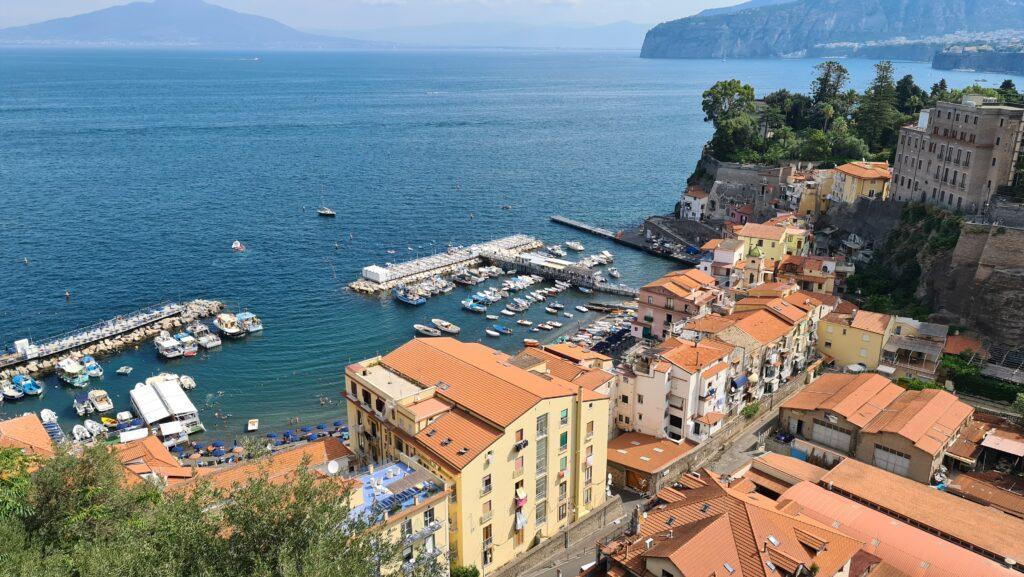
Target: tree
827,112
736,139
727,99
1018,405
829,83
1008,92
940,91
465,571
910,98
14,484
877,117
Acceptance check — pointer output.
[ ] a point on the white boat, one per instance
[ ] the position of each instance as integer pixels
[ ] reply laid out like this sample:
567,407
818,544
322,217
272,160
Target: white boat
237,246
567,315
492,333
446,326
11,392
531,343
48,416
582,309
189,344
555,324
326,212
524,322
80,433
187,383
249,322
508,313
125,370
95,429
228,326
544,326
614,272
101,400
167,346
72,372
204,336
492,317
574,245
92,368
551,310
427,331
82,405
252,425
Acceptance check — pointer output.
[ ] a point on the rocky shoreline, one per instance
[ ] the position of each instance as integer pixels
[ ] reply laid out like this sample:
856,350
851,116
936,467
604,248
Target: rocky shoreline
194,310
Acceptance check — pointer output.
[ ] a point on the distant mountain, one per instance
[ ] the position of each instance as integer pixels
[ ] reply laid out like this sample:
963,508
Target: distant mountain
619,35
873,28
170,23
741,7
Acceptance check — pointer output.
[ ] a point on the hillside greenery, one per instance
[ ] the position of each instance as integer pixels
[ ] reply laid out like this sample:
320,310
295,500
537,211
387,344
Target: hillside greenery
75,516
831,124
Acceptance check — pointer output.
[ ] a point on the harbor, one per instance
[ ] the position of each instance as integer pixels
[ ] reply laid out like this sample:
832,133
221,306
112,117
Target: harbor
686,254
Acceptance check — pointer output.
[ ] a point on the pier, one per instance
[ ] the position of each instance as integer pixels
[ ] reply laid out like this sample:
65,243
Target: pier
555,269
102,338
603,232
377,278
627,238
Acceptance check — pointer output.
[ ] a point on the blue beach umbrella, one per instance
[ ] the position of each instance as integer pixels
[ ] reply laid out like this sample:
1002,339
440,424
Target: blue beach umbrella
306,428
278,443
218,444
289,433
219,453
339,423
321,427
271,435
177,449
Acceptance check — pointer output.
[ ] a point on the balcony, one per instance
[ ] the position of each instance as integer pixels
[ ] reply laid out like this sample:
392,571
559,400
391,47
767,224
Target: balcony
486,490
423,558
486,517
427,530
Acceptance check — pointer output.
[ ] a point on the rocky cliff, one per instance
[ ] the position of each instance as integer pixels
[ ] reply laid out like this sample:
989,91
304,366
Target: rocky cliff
830,27
1005,62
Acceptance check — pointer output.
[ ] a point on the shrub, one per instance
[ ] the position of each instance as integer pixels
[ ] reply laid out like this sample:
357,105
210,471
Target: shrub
750,411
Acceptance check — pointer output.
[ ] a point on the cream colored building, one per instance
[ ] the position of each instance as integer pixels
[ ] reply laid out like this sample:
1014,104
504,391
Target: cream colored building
855,338
522,453
855,180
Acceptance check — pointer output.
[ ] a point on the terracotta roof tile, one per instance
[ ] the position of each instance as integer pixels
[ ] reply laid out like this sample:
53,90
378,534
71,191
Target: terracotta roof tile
694,356
576,353
858,398
646,453
763,326
871,322
867,170
956,344
763,231
710,324
26,433
457,438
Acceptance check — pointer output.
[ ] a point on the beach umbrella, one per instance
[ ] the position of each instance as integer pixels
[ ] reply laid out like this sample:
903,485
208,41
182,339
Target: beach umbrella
177,449
278,443
196,456
344,428
219,453
289,433
218,444
339,423
271,435
321,427
306,428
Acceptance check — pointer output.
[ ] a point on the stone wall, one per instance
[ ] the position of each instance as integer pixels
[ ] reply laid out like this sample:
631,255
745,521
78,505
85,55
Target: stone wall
869,219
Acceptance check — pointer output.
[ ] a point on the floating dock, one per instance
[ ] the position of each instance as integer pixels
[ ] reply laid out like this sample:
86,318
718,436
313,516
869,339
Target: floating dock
625,238
584,227
377,278
556,269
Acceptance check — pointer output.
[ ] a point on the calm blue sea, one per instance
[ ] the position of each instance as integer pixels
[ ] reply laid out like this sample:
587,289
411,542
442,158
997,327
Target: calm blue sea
125,176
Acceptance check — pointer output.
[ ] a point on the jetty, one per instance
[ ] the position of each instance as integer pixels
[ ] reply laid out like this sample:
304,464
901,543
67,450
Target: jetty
107,337
556,269
377,278
595,230
628,238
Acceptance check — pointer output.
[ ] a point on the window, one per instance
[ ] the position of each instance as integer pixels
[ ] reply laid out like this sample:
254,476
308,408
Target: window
563,464
366,397
563,512
650,300
519,435
542,488
563,491
828,344
486,485
668,303
542,512
563,440
829,329
625,399
542,426
520,465
866,338
428,516
863,352
407,527
352,387
590,429
407,554
488,543
564,420
587,495
639,399
588,476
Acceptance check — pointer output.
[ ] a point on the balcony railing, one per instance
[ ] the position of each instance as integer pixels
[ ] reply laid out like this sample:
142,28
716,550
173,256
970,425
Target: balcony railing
485,490
486,517
427,530
423,558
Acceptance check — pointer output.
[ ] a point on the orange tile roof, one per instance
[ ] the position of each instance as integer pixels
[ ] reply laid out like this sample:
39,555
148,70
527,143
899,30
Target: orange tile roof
867,170
710,324
26,433
694,356
683,284
786,466
763,326
858,398
786,311
744,209
928,418
907,548
149,456
956,344
712,418
698,193
576,353
974,486
711,244
456,438
982,527
764,231
646,453
567,370
428,408
871,322
754,525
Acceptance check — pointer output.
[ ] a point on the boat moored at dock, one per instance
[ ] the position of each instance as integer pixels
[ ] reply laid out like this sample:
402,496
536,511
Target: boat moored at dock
167,346
408,296
82,405
72,372
203,335
101,401
189,344
446,326
427,331
92,368
228,326
27,385
249,322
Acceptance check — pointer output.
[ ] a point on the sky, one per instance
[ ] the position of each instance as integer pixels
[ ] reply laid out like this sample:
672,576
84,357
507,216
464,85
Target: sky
369,14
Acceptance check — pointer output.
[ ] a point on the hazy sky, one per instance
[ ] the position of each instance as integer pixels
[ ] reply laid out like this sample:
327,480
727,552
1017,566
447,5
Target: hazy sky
364,14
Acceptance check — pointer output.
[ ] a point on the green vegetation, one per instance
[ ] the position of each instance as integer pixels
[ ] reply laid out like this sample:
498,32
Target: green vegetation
75,516
965,372
1018,405
750,411
915,384
465,571
831,124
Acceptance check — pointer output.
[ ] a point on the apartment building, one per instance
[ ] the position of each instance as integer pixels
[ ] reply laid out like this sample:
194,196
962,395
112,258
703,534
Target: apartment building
694,204
675,297
872,419
958,154
726,261
854,338
521,452
855,180
810,273
914,349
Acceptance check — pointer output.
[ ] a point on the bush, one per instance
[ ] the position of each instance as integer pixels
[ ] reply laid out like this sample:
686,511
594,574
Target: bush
750,411
915,384
465,571
967,378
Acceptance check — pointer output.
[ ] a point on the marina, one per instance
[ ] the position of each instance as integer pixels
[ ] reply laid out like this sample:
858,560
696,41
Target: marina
629,238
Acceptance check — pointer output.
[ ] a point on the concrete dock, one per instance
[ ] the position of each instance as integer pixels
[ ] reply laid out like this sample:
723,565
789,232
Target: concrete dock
627,238
556,269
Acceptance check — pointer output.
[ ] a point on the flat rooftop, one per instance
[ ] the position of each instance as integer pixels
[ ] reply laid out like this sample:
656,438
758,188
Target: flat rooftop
393,487
387,382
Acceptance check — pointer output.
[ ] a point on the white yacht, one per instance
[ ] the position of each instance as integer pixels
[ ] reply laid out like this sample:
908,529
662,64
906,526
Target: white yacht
167,346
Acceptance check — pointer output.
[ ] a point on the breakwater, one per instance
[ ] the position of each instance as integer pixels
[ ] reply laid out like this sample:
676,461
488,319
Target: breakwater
101,339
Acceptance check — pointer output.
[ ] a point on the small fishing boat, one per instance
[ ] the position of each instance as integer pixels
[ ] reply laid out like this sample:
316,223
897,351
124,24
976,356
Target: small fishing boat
27,385
94,428
167,346
446,326
567,315
326,212
187,383
427,331
249,322
531,343
544,327
473,306
101,400
508,313
524,322
408,296
534,330
80,433
492,317
72,372
252,425
555,324
189,344
551,310
557,306
227,324
11,392
92,368
82,405
47,416
492,333
574,245
108,422
125,370
204,336
614,272
582,309
237,246
585,290
501,329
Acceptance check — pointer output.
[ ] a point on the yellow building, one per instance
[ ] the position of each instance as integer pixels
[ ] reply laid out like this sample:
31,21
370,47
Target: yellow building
522,454
855,180
763,240
815,198
855,338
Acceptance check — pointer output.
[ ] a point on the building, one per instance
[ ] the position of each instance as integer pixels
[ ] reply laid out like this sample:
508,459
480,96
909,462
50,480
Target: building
147,459
872,419
854,338
726,261
640,463
679,389
166,409
855,180
675,297
810,273
700,526
914,349
522,453
694,204
763,240
741,213
815,198
581,356
957,155
28,434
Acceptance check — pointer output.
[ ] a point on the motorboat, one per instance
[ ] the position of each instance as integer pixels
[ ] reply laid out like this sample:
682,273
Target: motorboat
187,383
464,278
473,306
492,317
427,331
524,322
249,322
189,344
585,290
574,245
72,372
252,426
204,336
237,246
408,296
557,306
551,310
492,333
27,385
567,315
555,324
82,405
582,309
167,346
446,326
501,329
326,212
81,434
125,370
92,368
508,313
101,400
47,416
614,272
544,327
108,422
531,343
11,392
227,324
94,428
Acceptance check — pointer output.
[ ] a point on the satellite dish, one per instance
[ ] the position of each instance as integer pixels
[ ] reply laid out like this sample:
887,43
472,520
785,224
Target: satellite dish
333,468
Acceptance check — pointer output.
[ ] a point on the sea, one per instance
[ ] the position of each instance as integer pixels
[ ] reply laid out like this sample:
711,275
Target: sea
125,176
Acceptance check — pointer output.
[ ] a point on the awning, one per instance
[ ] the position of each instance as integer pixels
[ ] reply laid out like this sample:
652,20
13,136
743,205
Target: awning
171,428
740,382
520,520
